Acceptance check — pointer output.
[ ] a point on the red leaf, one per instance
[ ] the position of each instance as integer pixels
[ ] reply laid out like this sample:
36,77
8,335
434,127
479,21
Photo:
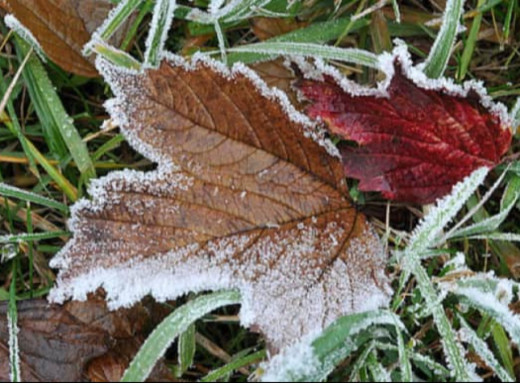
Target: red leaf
414,144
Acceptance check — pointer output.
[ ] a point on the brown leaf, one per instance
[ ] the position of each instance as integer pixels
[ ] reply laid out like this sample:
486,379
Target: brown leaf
57,342
276,74
63,27
253,202
54,345
265,28
112,366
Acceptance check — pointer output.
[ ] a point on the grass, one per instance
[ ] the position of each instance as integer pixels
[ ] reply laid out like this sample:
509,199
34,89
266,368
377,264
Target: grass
51,146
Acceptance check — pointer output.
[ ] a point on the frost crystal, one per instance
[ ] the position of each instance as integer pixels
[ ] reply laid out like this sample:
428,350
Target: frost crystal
12,22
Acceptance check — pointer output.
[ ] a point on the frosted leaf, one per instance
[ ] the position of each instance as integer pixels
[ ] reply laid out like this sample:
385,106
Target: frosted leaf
62,28
244,197
414,72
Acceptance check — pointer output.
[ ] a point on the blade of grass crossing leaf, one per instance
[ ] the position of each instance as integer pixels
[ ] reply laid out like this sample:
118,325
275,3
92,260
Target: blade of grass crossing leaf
469,45
132,31
245,361
24,195
163,13
116,18
55,120
174,325
352,55
116,56
111,144
12,320
481,348
441,50
186,348
318,33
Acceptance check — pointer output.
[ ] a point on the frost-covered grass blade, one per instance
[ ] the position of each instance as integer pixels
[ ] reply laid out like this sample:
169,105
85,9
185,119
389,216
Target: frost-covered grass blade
174,325
442,47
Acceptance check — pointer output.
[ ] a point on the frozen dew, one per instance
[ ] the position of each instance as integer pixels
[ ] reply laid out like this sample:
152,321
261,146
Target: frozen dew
12,22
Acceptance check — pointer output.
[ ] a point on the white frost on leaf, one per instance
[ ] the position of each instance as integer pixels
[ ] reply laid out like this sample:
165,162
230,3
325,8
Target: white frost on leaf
12,22
113,76
285,291
184,228
401,55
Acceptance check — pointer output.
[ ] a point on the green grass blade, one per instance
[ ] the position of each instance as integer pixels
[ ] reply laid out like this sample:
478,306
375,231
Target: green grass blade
223,371
24,195
441,50
12,320
163,13
515,116
62,136
174,325
397,12
317,358
352,55
186,350
29,237
469,46
378,372
404,358
116,56
509,18
490,224
426,236
317,33
482,349
503,346
116,18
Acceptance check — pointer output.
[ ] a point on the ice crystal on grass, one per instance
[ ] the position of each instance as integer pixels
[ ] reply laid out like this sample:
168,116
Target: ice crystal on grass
14,351
12,22
247,195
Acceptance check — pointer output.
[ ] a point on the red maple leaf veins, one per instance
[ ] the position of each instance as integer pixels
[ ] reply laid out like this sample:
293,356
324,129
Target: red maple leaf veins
415,143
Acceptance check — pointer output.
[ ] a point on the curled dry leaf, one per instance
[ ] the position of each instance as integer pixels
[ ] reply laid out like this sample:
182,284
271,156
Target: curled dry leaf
63,27
247,195
417,138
